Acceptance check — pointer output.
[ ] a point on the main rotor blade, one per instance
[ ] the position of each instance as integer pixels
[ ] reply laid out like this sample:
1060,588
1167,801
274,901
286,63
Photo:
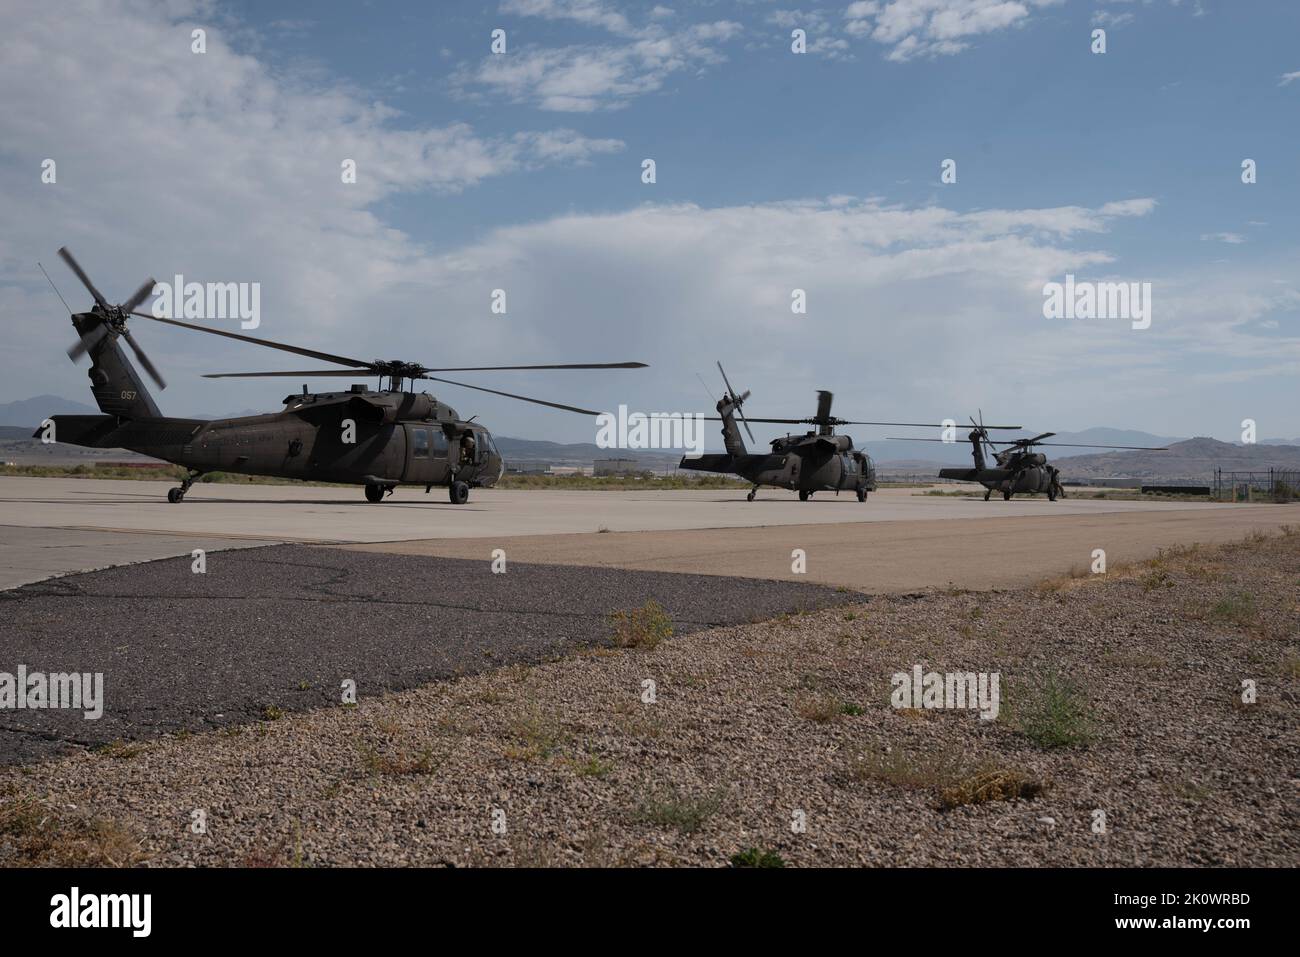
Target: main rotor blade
144,359
87,342
353,373
1034,440
1058,445
283,347
925,425
81,274
141,294
1085,445
568,365
511,395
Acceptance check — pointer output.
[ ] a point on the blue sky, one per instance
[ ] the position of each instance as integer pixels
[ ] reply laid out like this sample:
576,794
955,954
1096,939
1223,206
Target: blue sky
818,171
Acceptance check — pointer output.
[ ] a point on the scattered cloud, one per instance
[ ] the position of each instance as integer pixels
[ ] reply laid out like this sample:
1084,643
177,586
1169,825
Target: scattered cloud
929,28
822,34
1233,239
225,170
1107,18
606,75
1288,78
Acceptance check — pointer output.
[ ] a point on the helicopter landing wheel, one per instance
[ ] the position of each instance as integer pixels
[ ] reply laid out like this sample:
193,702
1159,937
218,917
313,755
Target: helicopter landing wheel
175,495
374,492
1006,496
750,496
804,496
862,494
458,492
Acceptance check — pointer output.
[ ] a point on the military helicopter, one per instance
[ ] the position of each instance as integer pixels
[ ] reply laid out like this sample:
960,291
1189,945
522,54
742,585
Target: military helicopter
1019,469
377,438
815,461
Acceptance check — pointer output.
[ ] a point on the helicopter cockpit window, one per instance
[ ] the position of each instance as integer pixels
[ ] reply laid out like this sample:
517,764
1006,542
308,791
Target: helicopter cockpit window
420,443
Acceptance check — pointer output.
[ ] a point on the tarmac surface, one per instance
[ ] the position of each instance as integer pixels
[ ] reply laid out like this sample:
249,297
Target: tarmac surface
281,628
402,593
57,526
1005,550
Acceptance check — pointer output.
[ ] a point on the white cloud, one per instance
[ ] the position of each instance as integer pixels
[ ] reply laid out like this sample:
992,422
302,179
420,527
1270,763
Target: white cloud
215,166
1106,18
1289,78
927,28
822,40
220,169
1234,239
582,78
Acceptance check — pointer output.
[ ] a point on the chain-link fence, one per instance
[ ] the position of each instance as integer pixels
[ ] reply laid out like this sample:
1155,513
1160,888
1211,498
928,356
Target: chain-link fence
1278,485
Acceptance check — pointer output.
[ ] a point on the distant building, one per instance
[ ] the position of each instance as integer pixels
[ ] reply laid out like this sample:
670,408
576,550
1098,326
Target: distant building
617,467
523,467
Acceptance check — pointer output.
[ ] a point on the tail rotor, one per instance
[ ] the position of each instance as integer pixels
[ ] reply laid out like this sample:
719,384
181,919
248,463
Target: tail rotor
737,401
110,320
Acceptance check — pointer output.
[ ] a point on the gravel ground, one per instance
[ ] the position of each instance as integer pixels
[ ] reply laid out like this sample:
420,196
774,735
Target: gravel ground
1121,693
279,628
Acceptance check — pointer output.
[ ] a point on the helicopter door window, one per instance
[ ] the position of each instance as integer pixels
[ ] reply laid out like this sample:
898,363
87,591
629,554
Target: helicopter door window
439,443
420,443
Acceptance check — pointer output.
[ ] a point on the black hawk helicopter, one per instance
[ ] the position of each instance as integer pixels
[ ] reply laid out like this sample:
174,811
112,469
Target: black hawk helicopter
377,438
815,461
1019,468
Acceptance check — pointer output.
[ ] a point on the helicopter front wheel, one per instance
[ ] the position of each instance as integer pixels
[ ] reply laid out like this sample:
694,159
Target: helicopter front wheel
458,492
374,492
175,495
750,496
1006,496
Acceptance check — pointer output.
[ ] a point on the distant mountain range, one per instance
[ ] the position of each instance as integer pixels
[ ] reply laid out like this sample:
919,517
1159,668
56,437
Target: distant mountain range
1186,459
1193,459
28,413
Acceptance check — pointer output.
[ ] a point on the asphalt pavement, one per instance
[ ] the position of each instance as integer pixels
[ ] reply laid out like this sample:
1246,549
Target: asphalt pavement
278,628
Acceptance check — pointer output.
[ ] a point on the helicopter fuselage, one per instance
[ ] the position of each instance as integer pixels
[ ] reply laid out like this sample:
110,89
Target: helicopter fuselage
378,439
355,437
802,463
1014,471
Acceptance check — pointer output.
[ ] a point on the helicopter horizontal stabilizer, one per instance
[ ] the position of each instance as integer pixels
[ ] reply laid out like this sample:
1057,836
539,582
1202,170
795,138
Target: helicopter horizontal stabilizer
707,463
977,475
84,430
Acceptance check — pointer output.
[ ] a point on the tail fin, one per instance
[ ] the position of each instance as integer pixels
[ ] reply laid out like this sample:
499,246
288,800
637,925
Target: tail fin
117,387
977,449
728,406
731,439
